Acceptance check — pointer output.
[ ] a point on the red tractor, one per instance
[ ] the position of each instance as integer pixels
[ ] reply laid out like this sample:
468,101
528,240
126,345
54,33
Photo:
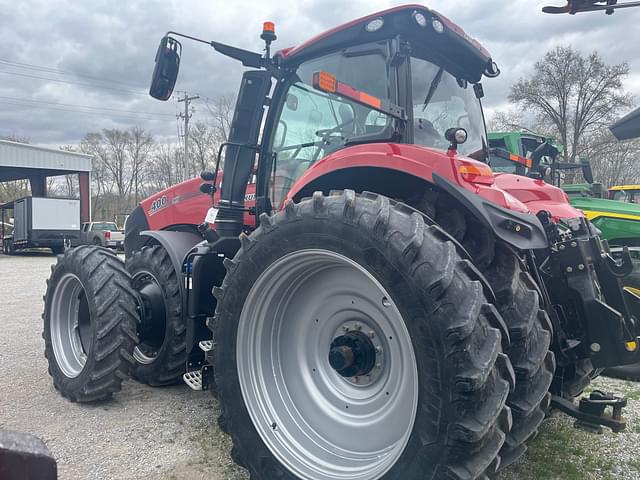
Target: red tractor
376,304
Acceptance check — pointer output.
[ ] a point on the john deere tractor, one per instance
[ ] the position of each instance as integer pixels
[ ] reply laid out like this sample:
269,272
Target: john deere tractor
378,304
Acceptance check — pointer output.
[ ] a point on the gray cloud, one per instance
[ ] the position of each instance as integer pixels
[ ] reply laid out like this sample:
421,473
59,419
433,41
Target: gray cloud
116,42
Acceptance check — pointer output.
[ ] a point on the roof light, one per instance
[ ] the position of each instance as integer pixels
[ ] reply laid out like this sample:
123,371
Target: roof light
437,25
420,18
269,27
374,25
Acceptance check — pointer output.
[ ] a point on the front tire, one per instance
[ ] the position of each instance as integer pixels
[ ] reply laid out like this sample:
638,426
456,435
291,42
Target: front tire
161,355
432,405
89,324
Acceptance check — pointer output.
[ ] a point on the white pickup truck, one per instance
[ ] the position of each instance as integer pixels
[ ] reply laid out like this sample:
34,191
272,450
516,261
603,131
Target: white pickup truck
105,234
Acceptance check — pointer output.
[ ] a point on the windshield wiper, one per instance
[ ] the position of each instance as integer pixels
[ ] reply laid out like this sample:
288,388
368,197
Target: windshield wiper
432,88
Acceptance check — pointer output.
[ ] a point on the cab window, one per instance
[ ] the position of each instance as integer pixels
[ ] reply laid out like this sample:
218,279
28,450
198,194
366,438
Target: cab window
312,124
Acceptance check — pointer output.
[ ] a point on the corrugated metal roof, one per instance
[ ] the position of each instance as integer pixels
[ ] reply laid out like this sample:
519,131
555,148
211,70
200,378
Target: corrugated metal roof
13,154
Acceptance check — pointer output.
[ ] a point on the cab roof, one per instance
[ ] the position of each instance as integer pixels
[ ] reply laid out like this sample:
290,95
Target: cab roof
460,54
625,187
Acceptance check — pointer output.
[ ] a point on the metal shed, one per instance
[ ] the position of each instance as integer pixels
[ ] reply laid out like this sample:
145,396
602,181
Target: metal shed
22,161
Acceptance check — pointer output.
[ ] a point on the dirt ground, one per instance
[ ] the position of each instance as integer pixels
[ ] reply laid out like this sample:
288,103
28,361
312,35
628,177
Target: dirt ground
171,433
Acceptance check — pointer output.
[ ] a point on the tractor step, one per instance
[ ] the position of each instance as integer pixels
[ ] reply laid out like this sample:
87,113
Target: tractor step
193,379
199,379
206,345
590,414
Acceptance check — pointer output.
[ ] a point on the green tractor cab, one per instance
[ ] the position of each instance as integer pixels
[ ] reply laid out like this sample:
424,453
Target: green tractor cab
618,220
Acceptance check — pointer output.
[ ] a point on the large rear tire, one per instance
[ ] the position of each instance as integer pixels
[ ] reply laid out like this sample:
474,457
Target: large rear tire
89,324
161,354
427,396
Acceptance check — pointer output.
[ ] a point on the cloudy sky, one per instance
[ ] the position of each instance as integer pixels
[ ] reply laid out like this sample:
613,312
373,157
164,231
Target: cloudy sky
72,67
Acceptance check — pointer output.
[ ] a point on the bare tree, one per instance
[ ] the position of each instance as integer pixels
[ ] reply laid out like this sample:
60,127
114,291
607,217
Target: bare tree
221,114
613,162
203,146
102,185
165,169
140,144
576,94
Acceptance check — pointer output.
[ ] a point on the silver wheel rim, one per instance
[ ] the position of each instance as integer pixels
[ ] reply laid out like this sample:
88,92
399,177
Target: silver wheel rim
70,324
317,423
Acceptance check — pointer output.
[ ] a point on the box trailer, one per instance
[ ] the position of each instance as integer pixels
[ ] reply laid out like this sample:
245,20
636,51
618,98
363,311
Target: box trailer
43,222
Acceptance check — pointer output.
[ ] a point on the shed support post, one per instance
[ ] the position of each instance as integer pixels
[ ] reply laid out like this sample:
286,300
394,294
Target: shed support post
38,186
85,196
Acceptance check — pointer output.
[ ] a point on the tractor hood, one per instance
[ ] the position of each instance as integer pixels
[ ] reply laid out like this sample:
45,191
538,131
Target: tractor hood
603,206
538,195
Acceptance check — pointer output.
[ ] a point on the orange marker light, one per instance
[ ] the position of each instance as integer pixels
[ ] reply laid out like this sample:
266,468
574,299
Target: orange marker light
269,27
325,82
476,173
527,162
367,99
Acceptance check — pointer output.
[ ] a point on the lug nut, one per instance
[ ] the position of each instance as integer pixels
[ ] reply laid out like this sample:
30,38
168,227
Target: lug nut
569,270
345,328
562,247
581,267
595,347
574,244
372,334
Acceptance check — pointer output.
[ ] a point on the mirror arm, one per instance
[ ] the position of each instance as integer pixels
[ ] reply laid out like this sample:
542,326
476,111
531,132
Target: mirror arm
248,58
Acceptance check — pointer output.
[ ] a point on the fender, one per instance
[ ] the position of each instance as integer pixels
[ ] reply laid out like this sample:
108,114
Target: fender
177,245
417,161
520,230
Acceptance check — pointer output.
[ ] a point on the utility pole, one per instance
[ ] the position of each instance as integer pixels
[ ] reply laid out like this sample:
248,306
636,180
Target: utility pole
186,116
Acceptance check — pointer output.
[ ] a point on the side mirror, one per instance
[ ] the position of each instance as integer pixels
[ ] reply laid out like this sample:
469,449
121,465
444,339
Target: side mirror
587,173
165,72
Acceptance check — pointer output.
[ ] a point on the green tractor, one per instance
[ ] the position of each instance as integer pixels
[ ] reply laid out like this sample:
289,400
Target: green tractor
617,217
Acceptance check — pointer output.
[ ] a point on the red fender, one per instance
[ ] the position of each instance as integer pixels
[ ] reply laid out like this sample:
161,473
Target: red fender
415,160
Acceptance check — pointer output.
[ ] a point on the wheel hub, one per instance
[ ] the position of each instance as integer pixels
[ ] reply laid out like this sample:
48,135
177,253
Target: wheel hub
152,316
352,354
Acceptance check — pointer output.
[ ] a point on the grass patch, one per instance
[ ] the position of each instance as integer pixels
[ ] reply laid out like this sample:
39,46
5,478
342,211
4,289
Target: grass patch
561,452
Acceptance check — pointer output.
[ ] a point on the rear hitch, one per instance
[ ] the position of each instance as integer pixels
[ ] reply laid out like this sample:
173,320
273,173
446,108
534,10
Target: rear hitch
622,269
591,414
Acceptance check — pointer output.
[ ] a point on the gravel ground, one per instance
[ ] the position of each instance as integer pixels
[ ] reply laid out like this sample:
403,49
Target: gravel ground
170,433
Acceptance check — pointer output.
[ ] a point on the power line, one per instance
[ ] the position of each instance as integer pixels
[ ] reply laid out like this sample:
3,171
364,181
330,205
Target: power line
101,114
58,71
74,83
87,106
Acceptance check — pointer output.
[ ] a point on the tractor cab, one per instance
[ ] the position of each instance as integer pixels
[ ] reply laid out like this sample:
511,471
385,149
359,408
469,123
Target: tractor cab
625,193
406,75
